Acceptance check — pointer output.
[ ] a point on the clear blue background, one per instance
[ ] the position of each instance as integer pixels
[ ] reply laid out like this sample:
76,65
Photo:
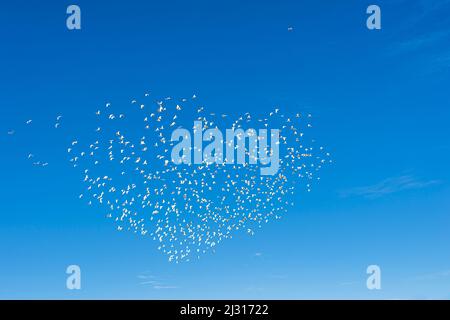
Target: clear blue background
380,101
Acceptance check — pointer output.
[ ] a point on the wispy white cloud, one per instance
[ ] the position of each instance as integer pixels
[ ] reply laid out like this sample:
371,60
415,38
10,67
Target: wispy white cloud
158,287
154,282
144,276
149,282
389,186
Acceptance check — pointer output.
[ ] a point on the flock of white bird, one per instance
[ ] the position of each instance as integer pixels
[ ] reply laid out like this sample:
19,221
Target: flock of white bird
188,209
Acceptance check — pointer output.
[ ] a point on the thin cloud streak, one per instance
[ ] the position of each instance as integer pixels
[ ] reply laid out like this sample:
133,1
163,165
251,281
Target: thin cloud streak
388,186
154,282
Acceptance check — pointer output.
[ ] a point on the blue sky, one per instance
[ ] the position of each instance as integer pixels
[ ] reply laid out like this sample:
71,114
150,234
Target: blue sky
380,102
